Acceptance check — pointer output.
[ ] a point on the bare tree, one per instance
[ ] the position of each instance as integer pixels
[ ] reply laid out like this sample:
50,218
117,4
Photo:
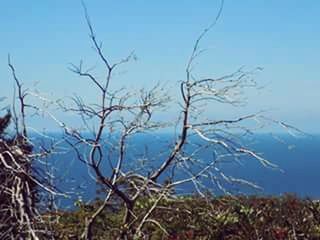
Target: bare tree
21,180
109,126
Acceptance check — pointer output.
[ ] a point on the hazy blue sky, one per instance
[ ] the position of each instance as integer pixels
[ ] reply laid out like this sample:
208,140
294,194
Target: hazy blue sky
283,37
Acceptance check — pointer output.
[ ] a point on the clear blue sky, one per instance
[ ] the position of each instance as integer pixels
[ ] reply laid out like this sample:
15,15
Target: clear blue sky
283,37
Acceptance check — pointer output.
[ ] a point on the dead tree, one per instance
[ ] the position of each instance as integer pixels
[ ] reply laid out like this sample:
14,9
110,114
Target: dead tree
21,183
17,191
103,141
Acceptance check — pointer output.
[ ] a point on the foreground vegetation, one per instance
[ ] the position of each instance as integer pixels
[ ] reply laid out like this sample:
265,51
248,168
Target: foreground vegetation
227,217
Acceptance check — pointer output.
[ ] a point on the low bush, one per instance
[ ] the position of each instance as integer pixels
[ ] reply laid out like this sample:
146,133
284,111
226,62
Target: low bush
192,217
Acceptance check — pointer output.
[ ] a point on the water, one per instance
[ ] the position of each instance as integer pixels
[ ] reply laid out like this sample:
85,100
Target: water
299,158
300,161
